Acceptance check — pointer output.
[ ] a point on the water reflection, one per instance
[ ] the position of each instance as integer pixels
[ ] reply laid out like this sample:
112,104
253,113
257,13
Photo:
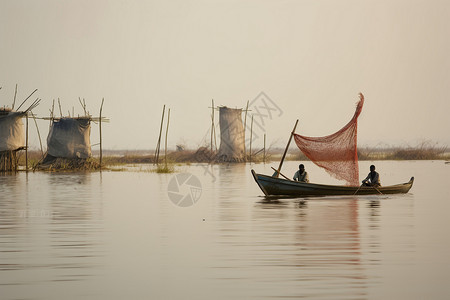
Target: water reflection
303,244
51,230
75,236
116,235
320,245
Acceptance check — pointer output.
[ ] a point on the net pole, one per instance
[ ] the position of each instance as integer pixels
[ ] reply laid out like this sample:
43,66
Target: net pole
212,124
60,109
26,143
167,132
214,128
251,137
159,138
100,129
277,173
245,128
14,102
264,157
39,134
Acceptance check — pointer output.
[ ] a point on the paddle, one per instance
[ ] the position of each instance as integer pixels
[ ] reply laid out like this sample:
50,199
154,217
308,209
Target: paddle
370,186
358,189
377,190
281,174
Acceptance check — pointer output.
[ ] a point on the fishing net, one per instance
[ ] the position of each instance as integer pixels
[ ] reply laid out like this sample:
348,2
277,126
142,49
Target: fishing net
232,136
336,153
70,138
12,132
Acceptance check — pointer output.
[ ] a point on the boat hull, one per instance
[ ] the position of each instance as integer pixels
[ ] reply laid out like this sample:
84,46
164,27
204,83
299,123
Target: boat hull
272,186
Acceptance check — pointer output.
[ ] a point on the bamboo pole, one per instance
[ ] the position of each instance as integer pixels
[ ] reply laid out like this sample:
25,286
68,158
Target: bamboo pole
26,144
83,105
264,155
16,160
212,124
159,138
60,110
14,102
53,109
26,99
245,128
214,128
51,115
277,172
100,128
167,131
251,137
39,135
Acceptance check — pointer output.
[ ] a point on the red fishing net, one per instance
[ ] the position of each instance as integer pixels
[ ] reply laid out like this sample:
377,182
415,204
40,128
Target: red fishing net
336,153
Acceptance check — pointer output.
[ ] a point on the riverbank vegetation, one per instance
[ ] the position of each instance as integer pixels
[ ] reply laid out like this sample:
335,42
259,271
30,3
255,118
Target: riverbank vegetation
423,151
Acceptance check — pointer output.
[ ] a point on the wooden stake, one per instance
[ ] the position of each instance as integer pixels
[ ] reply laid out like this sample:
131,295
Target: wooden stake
245,128
26,99
26,144
100,128
39,135
251,137
51,115
264,156
167,131
14,102
277,172
159,138
212,124
83,106
214,128
60,110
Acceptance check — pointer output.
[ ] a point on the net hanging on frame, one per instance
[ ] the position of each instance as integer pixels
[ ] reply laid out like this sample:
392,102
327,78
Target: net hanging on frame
336,153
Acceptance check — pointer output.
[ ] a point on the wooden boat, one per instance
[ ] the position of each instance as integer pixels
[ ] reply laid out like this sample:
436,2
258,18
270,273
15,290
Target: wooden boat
273,186
276,186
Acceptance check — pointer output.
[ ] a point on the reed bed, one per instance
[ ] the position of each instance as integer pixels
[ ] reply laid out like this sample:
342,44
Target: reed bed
69,164
424,151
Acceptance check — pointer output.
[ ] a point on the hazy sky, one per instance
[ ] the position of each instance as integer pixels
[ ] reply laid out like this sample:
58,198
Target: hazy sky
311,58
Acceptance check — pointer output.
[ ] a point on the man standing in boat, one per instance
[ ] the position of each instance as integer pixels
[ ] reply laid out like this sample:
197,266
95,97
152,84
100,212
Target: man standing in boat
373,179
301,175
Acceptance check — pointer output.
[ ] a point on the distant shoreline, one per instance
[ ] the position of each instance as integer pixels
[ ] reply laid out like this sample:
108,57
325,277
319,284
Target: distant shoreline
202,155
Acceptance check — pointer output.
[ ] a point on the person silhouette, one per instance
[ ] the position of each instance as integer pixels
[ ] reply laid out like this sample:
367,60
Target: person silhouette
373,179
301,175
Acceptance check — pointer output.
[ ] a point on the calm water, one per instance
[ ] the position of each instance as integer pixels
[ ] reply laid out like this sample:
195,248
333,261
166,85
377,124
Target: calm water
117,235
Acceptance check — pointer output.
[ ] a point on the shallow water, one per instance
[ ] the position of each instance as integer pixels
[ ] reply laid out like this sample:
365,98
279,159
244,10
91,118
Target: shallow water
119,235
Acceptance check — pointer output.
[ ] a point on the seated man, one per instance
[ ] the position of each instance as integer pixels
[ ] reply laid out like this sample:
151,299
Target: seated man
301,175
373,179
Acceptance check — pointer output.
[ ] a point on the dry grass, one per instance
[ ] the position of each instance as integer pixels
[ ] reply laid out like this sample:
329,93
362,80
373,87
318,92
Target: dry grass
426,150
66,164
169,168
423,151
127,159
